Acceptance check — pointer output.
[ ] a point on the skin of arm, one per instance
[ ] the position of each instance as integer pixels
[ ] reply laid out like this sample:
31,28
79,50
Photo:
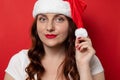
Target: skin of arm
8,77
84,54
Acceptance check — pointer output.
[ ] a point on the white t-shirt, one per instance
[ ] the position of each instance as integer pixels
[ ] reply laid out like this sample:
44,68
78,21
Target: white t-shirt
18,63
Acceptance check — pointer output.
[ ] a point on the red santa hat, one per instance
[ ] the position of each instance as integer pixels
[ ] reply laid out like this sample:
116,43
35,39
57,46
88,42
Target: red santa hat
70,8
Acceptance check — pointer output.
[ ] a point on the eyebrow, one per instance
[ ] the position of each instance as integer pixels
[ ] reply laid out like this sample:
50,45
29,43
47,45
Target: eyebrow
42,15
59,15
56,15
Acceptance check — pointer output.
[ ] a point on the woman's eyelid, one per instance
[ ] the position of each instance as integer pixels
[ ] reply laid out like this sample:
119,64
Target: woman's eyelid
42,18
60,18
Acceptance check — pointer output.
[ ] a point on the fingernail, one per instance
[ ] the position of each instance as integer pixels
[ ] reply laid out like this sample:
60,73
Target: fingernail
76,46
79,37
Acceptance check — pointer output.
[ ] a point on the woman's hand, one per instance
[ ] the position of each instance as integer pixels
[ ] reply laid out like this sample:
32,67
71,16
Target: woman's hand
84,51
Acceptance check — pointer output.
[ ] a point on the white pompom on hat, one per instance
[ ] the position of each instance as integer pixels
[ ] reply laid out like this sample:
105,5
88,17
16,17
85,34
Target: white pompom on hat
70,8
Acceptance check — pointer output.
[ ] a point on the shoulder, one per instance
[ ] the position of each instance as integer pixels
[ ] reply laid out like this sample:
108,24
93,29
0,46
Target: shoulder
17,65
21,55
96,65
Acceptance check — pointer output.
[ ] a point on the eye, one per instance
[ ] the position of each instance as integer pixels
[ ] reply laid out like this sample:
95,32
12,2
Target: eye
59,19
42,19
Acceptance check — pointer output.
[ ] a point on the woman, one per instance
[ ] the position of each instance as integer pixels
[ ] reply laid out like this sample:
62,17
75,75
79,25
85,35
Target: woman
56,54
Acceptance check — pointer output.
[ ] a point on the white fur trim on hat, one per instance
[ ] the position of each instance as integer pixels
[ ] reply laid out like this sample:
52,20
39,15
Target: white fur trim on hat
51,6
81,32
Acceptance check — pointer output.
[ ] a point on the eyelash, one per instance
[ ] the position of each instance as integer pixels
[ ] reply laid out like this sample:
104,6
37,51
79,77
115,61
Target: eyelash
41,19
57,19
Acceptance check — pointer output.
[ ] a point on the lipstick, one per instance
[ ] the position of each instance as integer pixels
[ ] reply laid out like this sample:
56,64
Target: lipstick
50,36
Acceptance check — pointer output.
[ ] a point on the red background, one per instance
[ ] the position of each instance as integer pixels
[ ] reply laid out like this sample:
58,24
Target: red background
101,18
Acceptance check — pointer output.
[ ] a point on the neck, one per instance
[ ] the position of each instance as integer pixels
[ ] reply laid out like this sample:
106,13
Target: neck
57,51
52,61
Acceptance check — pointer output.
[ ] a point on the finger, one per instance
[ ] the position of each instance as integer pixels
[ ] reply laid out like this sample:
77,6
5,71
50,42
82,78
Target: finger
85,39
85,43
84,48
77,41
78,47
82,41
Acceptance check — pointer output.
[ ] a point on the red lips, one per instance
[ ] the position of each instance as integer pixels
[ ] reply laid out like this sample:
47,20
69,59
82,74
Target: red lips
50,36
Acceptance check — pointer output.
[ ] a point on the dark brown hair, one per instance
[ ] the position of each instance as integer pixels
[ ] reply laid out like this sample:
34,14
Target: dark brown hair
36,53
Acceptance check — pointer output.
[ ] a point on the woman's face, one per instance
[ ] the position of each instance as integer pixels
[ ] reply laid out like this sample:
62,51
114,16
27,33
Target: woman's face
52,29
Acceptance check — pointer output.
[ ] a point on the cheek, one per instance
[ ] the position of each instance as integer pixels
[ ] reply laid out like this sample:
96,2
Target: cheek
40,30
40,27
63,30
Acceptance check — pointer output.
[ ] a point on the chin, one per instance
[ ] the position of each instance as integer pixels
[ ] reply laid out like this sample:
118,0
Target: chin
52,44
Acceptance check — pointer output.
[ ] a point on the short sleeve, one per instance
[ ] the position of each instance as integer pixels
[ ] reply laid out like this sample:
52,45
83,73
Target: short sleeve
96,66
15,67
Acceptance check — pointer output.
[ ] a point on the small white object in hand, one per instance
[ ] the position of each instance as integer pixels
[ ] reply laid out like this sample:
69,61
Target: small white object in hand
81,32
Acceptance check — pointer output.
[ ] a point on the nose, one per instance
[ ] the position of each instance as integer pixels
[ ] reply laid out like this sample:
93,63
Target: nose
50,26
